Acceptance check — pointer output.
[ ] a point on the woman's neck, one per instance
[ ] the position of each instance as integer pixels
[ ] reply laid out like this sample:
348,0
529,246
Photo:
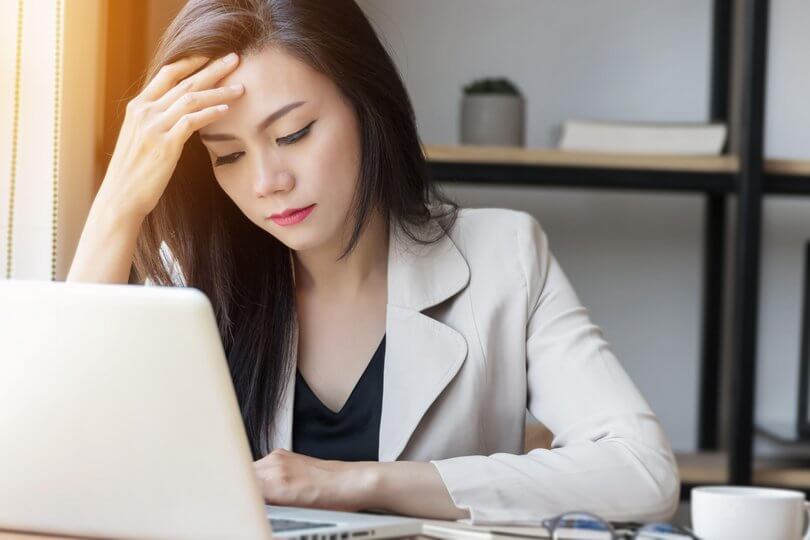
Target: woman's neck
319,272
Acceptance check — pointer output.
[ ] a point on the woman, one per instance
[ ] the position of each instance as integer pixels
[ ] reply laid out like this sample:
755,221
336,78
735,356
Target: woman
384,345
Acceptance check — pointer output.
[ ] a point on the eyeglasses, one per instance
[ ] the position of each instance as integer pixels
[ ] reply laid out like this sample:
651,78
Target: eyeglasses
587,526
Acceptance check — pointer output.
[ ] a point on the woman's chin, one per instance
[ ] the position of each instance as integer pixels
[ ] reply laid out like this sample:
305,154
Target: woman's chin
298,241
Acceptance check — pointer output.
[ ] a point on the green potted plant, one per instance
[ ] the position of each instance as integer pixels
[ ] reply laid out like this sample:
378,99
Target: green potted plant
492,113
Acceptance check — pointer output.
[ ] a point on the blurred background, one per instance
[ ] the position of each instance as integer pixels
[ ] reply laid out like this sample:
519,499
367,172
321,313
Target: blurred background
636,256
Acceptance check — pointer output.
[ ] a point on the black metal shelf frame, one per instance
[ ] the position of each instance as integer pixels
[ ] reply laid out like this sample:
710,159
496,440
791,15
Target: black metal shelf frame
744,313
786,184
613,178
581,177
749,184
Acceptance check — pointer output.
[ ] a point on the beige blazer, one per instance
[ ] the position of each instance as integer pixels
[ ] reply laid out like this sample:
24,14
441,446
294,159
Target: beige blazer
482,326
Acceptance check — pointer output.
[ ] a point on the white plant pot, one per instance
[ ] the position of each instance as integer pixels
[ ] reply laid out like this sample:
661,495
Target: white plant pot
493,119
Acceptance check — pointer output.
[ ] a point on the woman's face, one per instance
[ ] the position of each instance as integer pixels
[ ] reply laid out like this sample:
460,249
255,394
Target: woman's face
309,154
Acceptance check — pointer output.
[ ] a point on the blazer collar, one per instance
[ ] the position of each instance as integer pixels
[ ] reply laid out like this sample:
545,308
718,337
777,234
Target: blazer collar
422,355
422,276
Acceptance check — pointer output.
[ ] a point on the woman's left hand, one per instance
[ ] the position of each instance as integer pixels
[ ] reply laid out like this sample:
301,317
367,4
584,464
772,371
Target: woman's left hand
290,479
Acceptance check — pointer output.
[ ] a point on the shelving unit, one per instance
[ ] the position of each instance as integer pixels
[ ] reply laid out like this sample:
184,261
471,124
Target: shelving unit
521,166
712,468
549,167
743,173
787,177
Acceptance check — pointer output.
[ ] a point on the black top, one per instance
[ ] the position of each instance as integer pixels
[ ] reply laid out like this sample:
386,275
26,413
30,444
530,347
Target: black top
351,434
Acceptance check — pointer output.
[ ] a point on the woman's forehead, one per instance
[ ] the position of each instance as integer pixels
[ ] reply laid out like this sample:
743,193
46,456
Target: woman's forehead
271,81
274,72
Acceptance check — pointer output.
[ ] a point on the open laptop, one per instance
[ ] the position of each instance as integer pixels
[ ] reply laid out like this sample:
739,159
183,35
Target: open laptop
118,419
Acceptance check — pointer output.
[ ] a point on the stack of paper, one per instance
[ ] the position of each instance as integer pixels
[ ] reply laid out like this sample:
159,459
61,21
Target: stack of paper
450,530
454,530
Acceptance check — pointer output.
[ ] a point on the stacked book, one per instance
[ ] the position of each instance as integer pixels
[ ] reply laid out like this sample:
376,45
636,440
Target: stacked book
644,138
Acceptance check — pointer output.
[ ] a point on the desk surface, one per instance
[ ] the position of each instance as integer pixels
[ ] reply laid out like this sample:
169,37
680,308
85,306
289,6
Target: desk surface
478,533
22,536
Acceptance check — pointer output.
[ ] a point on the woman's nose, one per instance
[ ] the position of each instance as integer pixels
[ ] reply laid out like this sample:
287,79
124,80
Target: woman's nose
267,183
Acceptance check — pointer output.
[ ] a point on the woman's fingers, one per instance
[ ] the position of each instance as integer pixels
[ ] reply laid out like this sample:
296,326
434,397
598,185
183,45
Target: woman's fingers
196,101
148,147
191,122
169,75
202,80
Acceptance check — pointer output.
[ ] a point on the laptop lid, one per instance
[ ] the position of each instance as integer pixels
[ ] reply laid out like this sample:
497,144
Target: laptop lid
118,416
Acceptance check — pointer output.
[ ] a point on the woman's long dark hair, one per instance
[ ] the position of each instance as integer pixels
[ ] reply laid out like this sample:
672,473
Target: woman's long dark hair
246,272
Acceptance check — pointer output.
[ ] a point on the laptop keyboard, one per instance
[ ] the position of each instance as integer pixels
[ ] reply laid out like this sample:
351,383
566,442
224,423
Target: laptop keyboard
281,525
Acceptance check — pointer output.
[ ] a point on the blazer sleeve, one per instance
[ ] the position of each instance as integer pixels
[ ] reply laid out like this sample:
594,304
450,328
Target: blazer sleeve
609,455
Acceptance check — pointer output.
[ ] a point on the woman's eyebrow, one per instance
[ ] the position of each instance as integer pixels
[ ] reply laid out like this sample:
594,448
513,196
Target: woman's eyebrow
260,127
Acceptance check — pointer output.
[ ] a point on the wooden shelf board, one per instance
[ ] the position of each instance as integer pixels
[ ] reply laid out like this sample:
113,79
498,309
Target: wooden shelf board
565,158
788,167
711,468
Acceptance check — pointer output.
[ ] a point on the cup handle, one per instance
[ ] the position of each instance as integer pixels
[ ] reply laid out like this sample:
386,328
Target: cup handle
806,533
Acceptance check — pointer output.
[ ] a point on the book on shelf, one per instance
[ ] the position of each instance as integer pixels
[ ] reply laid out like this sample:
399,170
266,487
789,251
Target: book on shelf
644,138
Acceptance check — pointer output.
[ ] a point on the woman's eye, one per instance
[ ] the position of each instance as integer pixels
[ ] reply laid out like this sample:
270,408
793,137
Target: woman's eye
289,139
230,158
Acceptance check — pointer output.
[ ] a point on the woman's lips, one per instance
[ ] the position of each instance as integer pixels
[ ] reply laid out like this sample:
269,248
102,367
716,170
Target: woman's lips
293,218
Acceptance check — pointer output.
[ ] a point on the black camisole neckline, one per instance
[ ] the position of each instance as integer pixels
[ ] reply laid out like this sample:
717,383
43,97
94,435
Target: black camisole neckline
350,434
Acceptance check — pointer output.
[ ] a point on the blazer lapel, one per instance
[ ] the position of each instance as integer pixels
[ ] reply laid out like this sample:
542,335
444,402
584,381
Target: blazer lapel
422,355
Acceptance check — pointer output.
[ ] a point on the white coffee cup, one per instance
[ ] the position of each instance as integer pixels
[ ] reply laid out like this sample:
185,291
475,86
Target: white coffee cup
749,513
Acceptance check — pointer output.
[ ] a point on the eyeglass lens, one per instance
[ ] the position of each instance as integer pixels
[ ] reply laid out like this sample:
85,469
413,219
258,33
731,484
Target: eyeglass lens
662,531
583,526
579,526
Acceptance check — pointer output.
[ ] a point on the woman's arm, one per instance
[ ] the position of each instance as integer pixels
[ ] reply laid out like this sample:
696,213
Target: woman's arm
609,455
107,244
400,487
411,488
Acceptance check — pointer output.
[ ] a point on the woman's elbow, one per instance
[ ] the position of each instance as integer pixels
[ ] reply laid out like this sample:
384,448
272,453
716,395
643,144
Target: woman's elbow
670,494
652,491
663,482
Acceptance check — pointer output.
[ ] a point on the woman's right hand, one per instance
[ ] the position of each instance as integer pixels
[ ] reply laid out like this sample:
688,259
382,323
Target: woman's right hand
157,124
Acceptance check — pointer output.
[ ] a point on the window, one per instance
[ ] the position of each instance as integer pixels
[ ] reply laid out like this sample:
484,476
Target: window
50,58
